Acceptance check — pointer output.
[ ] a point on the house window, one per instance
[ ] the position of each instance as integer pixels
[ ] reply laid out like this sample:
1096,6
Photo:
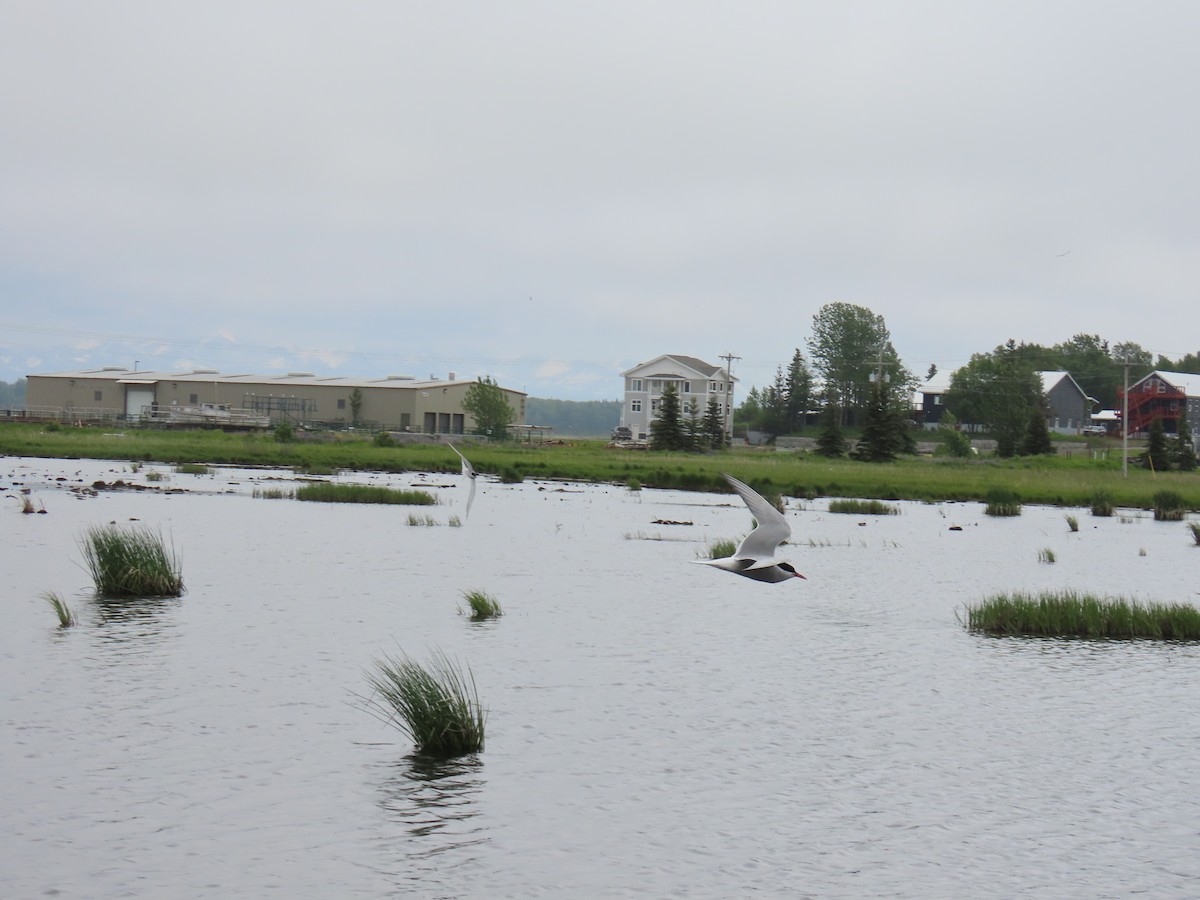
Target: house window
98,396
193,399
716,387
687,387
635,384
654,407
635,405
656,386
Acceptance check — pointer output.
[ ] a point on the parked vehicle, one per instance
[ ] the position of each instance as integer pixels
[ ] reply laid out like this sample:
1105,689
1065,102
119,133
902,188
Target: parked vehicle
622,433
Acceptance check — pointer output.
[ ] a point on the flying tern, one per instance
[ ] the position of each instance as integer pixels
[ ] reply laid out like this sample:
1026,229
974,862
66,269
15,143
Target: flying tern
755,556
469,471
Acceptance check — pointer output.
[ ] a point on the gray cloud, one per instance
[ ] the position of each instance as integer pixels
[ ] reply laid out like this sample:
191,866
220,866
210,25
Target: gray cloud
488,188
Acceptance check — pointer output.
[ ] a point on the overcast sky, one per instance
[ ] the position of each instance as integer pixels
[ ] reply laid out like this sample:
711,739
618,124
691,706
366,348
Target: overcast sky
551,192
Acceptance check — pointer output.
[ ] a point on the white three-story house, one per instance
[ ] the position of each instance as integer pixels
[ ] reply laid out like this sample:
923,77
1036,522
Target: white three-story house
693,378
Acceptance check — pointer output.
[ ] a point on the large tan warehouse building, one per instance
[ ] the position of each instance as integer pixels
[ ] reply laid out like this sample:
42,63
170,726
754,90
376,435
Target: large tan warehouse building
397,402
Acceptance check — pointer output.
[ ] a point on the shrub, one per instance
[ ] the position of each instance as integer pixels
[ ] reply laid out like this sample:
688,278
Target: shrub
438,707
130,562
284,433
383,439
1002,502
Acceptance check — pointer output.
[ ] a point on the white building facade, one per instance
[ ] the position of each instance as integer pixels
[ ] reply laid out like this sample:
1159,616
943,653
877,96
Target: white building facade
694,380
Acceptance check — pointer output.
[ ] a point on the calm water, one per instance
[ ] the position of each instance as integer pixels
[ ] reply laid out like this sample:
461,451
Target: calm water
656,729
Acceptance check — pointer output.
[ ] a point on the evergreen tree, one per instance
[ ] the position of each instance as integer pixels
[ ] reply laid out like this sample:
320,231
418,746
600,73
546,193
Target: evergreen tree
693,426
749,412
713,429
885,432
667,432
1037,436
775,405
1183,450
831,442
1157,456
799,392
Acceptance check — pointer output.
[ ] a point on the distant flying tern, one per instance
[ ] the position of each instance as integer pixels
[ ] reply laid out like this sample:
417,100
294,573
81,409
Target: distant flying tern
469,471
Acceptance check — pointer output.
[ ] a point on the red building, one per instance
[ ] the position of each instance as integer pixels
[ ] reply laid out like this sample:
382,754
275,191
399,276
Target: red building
1164,395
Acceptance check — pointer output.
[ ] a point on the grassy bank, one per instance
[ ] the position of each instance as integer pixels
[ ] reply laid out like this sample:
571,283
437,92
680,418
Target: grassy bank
1043,480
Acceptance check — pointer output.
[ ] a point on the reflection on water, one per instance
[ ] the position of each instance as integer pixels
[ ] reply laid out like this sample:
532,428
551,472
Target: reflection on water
435,804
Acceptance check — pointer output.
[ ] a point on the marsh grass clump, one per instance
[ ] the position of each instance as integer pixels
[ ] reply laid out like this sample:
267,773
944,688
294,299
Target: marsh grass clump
130,562
273,493
1002,502
428,520
455,522
326,492
1074,615
66,618
154,476
634,484
482,605
511,475
864,507
1169,506
192,469
437,706
1194,527
1102,503
1072,523
719,549
1046,555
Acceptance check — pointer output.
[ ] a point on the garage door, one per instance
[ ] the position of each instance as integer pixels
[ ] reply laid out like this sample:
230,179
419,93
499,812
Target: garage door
136,399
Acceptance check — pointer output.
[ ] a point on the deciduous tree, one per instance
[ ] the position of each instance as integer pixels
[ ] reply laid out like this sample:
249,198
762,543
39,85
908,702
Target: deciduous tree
487,405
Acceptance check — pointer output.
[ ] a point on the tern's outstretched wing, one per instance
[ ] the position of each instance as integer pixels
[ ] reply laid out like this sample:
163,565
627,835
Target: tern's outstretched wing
469,471
771,531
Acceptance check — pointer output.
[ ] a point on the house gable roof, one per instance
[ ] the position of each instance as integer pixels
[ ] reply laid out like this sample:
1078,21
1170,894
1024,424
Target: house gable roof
699,366
1051,380
1187,382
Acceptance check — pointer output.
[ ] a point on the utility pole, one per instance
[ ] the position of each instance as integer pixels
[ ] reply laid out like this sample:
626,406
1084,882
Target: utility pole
729,358
1125,423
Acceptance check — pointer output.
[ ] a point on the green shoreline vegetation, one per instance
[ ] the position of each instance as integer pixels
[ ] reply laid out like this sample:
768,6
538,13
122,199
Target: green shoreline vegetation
1055,481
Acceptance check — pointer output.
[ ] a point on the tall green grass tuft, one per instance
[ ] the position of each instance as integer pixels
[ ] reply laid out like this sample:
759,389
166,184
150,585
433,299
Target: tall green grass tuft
1002,502
1072,523
273,493
1075,615
864,507
325,492
1046,555
1194,527
192,469
438,707
1102,503
66,618
1169,506
130,562
482,605
720,549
